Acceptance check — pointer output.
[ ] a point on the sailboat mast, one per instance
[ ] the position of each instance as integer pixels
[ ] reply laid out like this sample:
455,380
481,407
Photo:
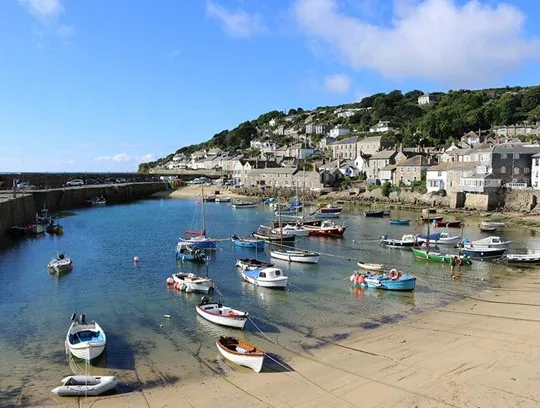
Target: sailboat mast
202,211
427,240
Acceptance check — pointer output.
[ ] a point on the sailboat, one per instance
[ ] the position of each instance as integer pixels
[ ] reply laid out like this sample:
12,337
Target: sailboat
198,239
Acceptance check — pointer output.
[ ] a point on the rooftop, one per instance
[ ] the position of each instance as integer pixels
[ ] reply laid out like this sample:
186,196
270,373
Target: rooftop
385,154
417,161
453,166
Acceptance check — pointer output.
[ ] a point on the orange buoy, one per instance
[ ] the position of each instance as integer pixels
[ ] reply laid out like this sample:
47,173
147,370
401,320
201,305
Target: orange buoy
170,281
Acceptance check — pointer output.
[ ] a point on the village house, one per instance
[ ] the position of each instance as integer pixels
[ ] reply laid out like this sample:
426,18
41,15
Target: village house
344,149
373,144
381,126
308,179
320,129
362,162
331,178
386,174
382,159
472,138
410,170
243,167
512,165
449,154
338,131
480,183
273,177
297,150
447,176
427,99
325,141
535,171
517,130
264,146
348,169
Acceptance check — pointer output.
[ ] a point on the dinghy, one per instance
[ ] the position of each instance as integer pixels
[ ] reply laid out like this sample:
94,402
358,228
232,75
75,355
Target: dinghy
60,264
524,259
247,242
397,281
272,237
223,199
216,313
241,353
242,204
192,283
399,222
251,264
448,224
267,278
83,385
373,213
440,257
295,256
442,238
492,224
371,266
85,341
186,252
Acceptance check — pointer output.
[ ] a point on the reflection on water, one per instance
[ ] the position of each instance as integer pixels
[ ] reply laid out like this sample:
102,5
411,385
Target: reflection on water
130,300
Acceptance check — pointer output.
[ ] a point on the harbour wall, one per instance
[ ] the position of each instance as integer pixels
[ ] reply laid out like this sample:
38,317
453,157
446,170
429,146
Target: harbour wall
22,209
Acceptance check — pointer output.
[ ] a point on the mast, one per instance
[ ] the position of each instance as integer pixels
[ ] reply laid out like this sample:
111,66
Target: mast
427,240
202,211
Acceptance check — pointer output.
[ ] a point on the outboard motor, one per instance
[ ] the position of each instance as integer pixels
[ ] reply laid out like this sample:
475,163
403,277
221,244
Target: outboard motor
83,318
74,317
61,256
204,300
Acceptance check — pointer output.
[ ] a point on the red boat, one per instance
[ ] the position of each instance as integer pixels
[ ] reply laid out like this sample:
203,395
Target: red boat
448,224
326,229
330,209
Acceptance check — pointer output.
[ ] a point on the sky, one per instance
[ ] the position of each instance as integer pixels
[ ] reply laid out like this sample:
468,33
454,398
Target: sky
102,85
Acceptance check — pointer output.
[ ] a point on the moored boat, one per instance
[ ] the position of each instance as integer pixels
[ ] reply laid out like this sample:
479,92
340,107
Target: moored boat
267,277
54,229
273,237
35,229
295,256
370,266
60,264
483,253
247,242
440,257
374,213
192,283
186,252
326,229
222,199
525,259
17,231
243,204
492,224
399,222
241,353
217,313
298,220
198,239
252,263
487,228
394,280
84,340
448,224
96,201
291,230
85,385
442,238
406,241
488,242
210,199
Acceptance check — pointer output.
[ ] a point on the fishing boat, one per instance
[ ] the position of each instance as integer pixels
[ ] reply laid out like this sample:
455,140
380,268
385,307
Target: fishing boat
85,385
448,224
247,242
295,255
329,211
60,264
193,283
54,229
198,239
85,341
223,199
210,198
241,353
487,228
374,213
441,238
397,281
483,253
269,236
370,266
492,224
96,201
489,242
43,217
216,313
267,277
326,229
440,257
243,204
35,229
406,241
298,220
252,263
525,259
399,222
289,229
186,252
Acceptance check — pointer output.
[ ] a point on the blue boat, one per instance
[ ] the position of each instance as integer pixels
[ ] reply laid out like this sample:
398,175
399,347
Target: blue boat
247,242
198,242
399,222
395,280
186,252
431,237
483,253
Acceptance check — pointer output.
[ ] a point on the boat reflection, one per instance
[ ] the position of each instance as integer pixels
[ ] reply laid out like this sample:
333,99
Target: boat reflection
81,367
364,294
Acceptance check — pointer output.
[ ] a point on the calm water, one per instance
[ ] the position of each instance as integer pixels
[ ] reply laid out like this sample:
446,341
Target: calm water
129,300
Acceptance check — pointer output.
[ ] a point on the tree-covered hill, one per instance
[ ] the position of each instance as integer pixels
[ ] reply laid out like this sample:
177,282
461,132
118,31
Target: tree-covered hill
454,113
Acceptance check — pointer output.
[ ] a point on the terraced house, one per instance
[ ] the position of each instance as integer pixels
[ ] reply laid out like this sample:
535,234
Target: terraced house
344,149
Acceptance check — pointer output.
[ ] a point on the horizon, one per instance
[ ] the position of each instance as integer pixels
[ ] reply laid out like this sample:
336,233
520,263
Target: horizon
102,87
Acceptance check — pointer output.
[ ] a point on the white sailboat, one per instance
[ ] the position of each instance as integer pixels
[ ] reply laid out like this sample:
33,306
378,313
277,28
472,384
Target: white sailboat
198,239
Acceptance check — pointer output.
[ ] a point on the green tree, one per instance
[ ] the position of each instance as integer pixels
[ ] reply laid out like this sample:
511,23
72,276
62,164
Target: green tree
531,98
386,188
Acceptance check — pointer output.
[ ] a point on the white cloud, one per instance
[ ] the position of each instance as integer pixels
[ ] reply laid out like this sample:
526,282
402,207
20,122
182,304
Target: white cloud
430,39
337,83
65,31
126,158
238,23
43,9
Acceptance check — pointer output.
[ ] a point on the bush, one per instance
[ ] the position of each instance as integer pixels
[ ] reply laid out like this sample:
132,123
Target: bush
385,189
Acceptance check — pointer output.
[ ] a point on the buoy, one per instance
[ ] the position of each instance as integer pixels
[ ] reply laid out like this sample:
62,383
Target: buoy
177,286
136,259
170,281
360,279
167,316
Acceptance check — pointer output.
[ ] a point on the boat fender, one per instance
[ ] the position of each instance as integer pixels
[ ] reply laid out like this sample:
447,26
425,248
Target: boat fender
352,277
170,281
459,262
394,274
360,279
400,274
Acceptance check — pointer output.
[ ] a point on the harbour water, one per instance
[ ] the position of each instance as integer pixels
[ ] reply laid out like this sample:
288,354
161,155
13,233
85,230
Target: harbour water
129,300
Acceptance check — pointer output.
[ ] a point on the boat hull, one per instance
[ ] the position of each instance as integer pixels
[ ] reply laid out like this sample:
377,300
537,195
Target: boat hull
393,243
522,259
236,320
484,253
60,267
193,284
253,361
239,206
279,283
87,350
406,283
326,232
370,266
448,224
296,256
439,257
80,385
205,243
374,214
274,238
399,222
248,243
442,241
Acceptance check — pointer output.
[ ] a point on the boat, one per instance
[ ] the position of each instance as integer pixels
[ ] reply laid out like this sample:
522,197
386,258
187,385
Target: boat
216,313
373,213
243,204
448,224
399,222
210,199
370,266
397,281
54,229
483,253
60,264
96,201
85,341
35,229
43,217
247,242
186,252
223,199
487,228
440,257
432,218
273,237
298,220
295,255
525,259
326,229
198,239
17,231
329,211
489,242
406,241
441,238
492,224
85,385
289,229
269,277
252,263
193,283
241,353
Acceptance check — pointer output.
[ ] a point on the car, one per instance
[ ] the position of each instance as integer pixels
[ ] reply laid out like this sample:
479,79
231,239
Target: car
121,180
91,181
25,185
110,181
75,182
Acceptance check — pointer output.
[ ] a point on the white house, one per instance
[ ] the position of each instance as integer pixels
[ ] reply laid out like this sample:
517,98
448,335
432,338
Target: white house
382,126
386,174
339,131
361,163
426,99
326,141
265,147
535,171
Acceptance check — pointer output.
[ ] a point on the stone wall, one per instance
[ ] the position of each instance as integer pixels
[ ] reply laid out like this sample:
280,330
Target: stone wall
16,211
520,200
477,202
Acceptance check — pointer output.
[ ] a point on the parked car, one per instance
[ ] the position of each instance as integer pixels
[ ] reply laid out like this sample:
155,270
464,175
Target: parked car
75,182
25,185
121,180
110,181
91,181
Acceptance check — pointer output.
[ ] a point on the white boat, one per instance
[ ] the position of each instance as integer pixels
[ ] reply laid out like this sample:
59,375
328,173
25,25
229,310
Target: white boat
85,340
492,224
530,259
406,241
82,385
217,313
193,283
252,263
60,264
442,238
267,277
295,255
222,199
489,242
371,266
291,230
244,204
241,353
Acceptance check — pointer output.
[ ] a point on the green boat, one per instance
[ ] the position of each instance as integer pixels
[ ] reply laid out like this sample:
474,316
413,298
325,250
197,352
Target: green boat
439,257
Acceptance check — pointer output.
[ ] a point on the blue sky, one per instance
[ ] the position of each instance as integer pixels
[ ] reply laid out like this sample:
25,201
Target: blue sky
102,85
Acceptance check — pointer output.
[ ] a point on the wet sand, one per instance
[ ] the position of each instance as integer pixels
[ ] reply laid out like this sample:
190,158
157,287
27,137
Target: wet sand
478,352
195,191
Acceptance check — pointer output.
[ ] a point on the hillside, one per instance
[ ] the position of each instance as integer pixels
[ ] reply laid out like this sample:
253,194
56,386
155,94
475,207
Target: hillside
453,114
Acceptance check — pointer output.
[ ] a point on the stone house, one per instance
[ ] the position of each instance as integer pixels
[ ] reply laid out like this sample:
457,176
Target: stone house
382,159
326,142
344,149
373,144
472,138
535,171
480,183
386,174
447,176
410,170
331,178
274,177
512,165
243,167
308,179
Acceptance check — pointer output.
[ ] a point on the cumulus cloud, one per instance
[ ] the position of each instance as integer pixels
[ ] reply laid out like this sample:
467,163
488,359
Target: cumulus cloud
127,158
236,23
337,83
43,9
437,40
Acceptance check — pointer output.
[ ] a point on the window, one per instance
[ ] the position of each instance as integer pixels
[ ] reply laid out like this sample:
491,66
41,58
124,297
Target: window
526,170
503,155
439,174
537,161
262,275
503,169
516,170
516,156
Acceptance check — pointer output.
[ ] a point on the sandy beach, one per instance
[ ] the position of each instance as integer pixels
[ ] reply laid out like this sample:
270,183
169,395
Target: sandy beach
195,191
482,351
